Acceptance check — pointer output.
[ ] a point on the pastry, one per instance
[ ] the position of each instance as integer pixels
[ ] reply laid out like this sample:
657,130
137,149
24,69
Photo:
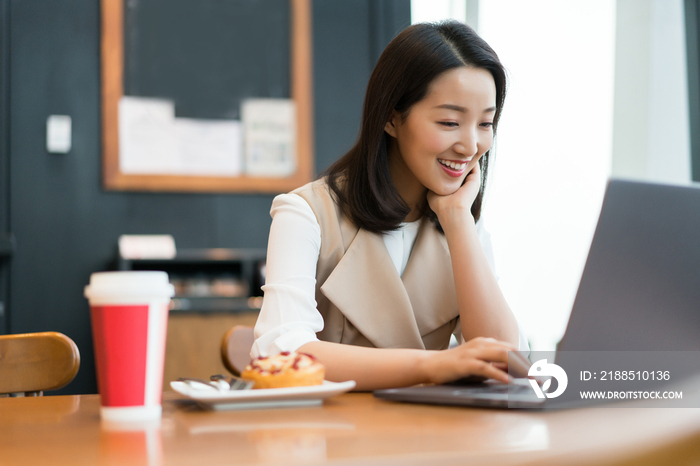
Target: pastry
285,370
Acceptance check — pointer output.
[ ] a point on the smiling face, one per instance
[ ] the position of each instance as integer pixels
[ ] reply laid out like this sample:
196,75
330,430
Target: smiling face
443,136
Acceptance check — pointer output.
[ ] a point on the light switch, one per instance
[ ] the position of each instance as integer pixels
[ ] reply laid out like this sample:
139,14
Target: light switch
58,134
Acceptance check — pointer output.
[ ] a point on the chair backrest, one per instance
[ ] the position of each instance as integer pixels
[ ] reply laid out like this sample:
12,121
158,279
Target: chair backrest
235,348
34,362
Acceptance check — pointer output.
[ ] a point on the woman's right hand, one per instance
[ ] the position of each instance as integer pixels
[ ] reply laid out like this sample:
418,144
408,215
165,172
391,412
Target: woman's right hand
484,357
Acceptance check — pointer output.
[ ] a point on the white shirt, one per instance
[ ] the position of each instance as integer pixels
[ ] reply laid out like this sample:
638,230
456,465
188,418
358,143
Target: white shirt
288,317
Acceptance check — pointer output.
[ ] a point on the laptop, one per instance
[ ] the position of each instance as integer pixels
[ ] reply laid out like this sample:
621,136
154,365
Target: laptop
640,290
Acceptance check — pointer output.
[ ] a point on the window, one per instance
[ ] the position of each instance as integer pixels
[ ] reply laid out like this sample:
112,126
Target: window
554,148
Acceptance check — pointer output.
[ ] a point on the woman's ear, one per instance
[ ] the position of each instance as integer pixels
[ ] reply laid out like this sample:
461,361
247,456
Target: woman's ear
390,127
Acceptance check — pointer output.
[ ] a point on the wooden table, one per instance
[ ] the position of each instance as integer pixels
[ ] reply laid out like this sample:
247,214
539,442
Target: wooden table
350,429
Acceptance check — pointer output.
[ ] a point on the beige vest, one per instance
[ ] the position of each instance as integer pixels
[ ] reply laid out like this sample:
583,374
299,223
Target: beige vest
361,296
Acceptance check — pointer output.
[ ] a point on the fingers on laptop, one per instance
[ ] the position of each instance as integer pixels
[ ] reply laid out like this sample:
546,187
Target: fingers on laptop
481,361
488,370
515,363
474,358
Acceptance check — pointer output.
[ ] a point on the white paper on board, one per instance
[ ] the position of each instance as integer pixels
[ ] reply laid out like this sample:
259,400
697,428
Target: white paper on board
208,147
270,137
146,143
153,141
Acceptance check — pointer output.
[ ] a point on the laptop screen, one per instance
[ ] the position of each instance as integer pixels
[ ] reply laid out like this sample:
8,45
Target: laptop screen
640,288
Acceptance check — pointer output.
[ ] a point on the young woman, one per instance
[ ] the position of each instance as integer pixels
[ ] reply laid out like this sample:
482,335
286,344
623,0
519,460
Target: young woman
374,267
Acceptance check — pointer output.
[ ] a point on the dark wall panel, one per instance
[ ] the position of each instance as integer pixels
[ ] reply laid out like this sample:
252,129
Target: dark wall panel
349,36
342,66
692,31
5,250
67,226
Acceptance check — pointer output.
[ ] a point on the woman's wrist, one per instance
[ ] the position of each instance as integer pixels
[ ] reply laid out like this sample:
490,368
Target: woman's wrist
424,365
456,220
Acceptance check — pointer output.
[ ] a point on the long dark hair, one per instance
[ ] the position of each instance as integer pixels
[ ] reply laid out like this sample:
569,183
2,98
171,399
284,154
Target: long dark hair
360,180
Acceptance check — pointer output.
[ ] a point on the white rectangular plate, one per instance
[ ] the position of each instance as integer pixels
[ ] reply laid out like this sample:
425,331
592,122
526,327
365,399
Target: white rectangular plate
265,397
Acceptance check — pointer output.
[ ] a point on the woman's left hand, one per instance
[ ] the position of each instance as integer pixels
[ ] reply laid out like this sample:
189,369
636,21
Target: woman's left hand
460,202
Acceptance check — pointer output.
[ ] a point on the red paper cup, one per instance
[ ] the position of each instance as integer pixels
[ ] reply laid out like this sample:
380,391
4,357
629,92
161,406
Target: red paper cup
129,313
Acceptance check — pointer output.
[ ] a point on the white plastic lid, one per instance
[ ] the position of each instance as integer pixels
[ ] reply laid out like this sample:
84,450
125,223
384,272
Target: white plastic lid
153,285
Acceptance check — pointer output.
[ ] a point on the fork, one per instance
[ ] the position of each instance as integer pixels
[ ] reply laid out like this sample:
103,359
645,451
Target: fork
218,382
234,383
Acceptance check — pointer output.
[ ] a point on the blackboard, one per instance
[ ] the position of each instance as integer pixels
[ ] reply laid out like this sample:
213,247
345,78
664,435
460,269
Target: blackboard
206,56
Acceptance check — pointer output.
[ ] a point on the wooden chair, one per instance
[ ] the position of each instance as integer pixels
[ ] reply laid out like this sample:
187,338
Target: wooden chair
235,348
33,362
